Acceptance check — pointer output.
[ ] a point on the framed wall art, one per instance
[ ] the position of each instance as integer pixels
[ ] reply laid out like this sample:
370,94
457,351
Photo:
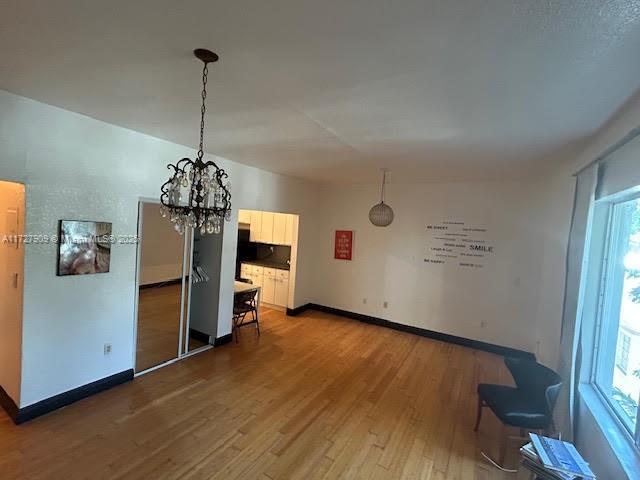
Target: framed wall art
84,247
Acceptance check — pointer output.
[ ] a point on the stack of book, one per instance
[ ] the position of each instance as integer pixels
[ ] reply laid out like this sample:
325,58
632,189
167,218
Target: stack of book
552,459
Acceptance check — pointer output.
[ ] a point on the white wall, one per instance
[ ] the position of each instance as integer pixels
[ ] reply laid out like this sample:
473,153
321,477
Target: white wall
75,167
552,205
11,261
162,248
496,303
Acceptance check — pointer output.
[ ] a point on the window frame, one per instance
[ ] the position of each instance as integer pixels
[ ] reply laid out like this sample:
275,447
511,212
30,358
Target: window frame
623,362
603,322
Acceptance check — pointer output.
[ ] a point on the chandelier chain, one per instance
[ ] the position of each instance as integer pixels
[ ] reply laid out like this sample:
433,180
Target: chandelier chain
203,109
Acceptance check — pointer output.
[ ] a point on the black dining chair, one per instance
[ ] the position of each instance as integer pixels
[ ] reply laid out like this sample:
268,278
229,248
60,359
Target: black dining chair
529,405
244,304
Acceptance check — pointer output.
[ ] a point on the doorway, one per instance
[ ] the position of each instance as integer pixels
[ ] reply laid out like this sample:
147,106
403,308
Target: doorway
177,290
12,207
267,255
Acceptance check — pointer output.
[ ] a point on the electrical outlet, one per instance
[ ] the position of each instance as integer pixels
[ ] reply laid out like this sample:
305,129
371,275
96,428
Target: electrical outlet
483,324
107,348
385,304
364,300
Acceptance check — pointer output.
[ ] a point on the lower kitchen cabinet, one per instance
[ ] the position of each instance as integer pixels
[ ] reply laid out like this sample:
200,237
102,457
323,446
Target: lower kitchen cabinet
274,283
281,294
269,286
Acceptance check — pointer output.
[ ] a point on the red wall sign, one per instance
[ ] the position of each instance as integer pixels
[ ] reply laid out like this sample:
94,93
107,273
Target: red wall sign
343,245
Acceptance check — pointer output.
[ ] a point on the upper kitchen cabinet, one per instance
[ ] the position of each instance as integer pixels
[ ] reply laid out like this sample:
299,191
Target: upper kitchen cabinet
255,231
289,229
266,235
280,229
244,216
269,227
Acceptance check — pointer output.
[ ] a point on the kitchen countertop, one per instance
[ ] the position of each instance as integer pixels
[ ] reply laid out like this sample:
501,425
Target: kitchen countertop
239,287
266,263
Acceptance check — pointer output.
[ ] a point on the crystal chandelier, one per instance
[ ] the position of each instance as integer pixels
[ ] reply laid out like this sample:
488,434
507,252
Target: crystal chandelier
381,214
197,195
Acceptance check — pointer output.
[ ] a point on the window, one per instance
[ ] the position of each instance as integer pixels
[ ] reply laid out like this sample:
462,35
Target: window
617,365
622,353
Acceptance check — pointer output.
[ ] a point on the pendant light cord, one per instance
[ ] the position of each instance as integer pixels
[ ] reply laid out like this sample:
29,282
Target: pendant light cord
384,179
203,109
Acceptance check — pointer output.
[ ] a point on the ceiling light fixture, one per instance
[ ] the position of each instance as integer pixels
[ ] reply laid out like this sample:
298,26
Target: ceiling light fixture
381,214
203,183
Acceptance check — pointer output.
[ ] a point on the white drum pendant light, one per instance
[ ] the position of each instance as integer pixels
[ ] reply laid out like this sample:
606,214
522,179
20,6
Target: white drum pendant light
381,214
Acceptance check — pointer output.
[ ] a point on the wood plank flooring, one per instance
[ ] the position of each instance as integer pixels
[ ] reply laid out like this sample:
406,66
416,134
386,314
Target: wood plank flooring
315,397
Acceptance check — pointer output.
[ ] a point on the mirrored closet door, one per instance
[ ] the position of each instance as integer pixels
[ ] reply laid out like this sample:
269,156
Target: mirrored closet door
178,288
203,291
160,286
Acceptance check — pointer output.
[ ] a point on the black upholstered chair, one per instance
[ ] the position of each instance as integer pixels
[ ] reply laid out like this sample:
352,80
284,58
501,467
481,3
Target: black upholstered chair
528,406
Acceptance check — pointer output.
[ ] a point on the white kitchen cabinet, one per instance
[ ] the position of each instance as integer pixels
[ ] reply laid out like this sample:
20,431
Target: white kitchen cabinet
254,273
244,216
280,229
266,235
255,231
274,283
281,292
246,271
257,274
269,286
288,230
269,227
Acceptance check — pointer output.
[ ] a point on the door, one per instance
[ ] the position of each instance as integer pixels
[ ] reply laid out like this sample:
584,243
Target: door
11,286
201,323
162,254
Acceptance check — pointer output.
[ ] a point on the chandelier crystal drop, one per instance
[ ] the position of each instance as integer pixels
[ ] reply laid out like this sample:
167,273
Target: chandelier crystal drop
198,194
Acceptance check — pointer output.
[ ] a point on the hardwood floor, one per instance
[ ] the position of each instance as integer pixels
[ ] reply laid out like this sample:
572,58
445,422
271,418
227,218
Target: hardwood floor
159,326
315,397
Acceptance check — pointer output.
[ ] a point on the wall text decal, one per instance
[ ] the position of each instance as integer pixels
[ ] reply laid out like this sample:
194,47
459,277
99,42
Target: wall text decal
457,244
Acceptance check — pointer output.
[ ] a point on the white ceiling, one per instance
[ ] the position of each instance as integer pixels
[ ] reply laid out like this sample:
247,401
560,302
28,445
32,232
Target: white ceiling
335,89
